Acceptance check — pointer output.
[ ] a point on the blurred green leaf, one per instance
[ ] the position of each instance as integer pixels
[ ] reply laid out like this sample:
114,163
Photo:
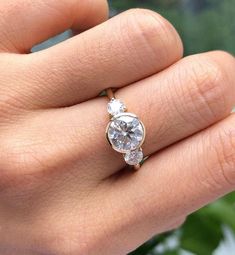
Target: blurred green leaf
222,211
230,198
173,252
201,235
150,245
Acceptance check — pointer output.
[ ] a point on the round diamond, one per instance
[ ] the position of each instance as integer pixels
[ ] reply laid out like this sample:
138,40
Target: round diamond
134,157
125,132
116,106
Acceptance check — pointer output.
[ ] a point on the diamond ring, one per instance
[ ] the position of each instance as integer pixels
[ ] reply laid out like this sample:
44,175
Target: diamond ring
125,132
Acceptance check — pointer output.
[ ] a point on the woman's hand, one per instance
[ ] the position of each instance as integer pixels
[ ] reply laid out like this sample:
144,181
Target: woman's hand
63,190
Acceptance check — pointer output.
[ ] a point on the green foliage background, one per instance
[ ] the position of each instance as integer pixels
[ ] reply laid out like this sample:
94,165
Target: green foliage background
203,25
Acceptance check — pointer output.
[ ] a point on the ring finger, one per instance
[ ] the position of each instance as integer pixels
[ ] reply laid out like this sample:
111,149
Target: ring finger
187,97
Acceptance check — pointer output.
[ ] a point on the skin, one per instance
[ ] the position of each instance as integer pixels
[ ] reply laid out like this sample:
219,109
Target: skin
63,190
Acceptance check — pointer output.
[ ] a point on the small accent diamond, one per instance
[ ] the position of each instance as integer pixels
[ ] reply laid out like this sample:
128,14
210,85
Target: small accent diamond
116,106
134,157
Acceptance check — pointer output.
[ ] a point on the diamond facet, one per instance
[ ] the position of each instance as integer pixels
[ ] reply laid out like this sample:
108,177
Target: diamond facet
125,132
116,106
134,157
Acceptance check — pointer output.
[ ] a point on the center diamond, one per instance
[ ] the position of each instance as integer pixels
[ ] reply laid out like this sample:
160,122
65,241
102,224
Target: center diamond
125,132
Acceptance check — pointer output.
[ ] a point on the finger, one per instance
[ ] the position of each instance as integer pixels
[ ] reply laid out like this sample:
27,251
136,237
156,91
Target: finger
174,183
26,23
189,96
186,98
127,48
193,94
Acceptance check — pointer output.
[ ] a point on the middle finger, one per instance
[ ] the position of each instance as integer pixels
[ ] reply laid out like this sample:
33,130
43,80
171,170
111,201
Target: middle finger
127,48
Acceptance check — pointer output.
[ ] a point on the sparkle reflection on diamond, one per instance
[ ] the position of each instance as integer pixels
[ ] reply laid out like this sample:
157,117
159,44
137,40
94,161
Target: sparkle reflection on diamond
125,133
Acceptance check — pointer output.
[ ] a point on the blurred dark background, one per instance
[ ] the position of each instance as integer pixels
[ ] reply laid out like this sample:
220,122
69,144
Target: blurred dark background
204,25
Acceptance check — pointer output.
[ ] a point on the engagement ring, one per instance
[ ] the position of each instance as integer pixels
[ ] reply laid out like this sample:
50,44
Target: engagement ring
125,132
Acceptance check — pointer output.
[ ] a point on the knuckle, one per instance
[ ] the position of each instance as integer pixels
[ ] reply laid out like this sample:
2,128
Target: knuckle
208,93
143,22
226,157
221,166
145,18
218,62
148,26
224,55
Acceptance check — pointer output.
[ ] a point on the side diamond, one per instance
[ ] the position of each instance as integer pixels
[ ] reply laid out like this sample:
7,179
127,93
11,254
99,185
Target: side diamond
116,106
134,157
